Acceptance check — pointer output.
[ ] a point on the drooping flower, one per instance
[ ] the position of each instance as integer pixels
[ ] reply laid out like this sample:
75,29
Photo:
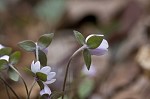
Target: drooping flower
45,90
101,49
36,69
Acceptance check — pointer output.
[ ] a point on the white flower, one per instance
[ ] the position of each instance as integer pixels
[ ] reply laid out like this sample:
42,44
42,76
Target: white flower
5,57
1,46
35,68
101,49
46,90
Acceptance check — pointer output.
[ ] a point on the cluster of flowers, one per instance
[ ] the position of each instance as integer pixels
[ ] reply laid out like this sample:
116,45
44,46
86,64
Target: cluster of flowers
93,45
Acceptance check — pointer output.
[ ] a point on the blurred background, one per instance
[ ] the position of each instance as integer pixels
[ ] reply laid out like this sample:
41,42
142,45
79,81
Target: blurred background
123,73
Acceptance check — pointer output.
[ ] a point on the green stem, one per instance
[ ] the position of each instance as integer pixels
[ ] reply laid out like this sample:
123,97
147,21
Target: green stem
68,64
20,77
7,91
34,82
9,87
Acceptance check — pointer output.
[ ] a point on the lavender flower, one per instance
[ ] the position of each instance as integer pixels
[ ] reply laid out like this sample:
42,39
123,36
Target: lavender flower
35,68
102,49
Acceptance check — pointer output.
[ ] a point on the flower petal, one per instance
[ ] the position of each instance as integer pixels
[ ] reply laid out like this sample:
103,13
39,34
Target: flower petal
51,75
101,50
50,81
104,44
35,67
46,90
98,52
1,46
5,57
45,70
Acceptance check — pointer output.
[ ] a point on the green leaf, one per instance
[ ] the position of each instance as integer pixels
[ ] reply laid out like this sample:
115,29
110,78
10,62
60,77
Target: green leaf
3,64
85,88
94,41
56,94
51,10
27,45
41,76
42,58
45,40
5,51
79,37
13,75
87,58
14,58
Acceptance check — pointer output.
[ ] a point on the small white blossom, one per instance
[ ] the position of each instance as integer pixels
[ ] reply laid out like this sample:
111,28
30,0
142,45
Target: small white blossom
5,57
101,49
35,68
46,90
1,46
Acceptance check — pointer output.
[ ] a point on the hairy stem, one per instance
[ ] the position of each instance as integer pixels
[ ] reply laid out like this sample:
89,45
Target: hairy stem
37,53
68,64
21,78
34,82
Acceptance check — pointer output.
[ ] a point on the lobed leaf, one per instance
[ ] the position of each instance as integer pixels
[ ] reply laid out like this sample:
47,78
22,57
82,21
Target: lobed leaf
87,58
12,74
14,58
27,45
45,40
79,37
42,58
94,41
5,51
3,64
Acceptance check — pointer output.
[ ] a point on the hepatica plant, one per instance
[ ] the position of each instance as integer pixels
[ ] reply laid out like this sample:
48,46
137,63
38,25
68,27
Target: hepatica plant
42,74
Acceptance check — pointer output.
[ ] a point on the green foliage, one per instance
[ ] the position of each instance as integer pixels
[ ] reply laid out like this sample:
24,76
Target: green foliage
3,64
94,41
56,94
45,40
87,58
27,45
14,58
85,88
79,37
5,51
50,10
12,74
41,76
42,58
